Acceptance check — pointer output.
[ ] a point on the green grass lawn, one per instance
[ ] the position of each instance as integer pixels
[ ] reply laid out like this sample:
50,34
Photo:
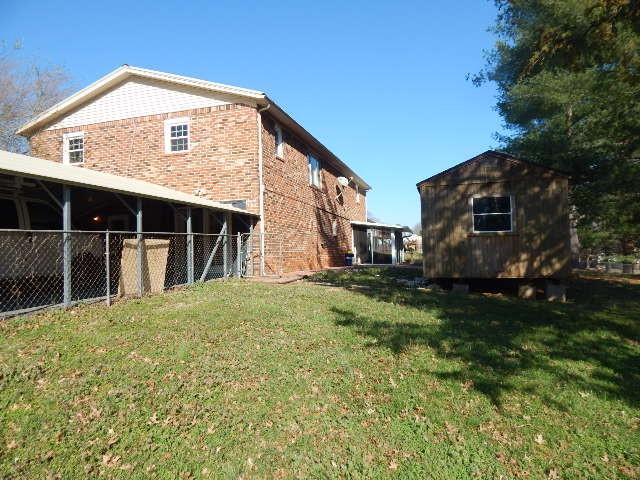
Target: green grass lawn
354,377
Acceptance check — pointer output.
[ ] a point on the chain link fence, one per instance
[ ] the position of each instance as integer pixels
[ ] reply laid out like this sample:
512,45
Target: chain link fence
54,268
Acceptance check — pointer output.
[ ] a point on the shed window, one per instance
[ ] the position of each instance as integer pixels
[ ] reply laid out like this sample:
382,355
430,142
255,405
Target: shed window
176,135
73,152
314,171
492,214
279,142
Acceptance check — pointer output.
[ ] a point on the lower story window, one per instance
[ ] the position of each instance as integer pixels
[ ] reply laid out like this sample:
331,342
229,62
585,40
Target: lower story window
492,213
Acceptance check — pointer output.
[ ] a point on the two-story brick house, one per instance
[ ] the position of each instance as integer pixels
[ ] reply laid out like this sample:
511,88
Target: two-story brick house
224,143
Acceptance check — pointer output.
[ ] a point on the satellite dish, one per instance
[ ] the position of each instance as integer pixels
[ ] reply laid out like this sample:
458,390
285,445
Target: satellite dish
344,181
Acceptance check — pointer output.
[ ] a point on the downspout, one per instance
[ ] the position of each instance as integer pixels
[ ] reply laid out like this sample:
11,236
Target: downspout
261,181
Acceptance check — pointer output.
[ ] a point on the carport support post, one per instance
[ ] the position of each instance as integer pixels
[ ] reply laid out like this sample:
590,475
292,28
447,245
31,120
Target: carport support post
139,238
394,247
239,255
226,245
107,266
66,244
371,244
189,247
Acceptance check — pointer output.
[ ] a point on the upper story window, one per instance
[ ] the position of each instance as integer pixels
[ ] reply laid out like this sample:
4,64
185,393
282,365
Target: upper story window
314,171
492,213
357,193
73,148
279,142
176,135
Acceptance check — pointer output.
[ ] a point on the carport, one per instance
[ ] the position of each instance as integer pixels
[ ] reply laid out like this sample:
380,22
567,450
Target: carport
377,243
58,221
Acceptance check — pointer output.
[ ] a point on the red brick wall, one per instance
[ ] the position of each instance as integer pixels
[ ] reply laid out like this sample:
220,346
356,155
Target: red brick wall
302,215
222,162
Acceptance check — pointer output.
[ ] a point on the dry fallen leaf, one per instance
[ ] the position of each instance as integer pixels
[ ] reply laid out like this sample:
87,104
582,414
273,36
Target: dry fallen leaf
538,439
553,474
110,461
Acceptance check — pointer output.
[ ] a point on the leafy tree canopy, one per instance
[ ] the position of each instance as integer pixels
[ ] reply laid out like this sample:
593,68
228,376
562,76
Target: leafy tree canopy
568,74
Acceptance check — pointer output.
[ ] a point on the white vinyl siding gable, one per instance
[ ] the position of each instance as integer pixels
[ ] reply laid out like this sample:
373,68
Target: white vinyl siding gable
140,97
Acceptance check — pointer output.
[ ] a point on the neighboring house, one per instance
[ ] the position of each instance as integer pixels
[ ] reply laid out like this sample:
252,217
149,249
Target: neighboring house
496,216
223,143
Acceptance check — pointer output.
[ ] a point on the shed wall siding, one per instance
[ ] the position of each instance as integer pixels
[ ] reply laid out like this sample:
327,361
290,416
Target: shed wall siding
539,247
137,98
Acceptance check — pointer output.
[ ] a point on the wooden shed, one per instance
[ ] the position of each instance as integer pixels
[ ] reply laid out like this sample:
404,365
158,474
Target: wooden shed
496,216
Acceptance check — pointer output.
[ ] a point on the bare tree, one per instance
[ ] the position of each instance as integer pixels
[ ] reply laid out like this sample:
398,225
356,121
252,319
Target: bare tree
27,88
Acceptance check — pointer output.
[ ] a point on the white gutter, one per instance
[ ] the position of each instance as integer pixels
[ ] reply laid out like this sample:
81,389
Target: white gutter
261,181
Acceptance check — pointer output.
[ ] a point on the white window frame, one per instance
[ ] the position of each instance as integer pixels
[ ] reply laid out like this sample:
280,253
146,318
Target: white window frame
279,141
65,147
357,193
512,210
171,122
315,175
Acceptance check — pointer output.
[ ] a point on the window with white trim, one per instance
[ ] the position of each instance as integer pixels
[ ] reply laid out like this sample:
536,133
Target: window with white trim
357,193
73,148
492,213
176,135
314,171
279,142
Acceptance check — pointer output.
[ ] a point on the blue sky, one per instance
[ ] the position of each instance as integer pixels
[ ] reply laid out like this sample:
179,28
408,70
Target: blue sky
382,84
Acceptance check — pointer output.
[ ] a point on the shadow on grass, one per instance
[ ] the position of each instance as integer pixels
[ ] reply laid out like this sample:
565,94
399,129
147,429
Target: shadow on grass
496,340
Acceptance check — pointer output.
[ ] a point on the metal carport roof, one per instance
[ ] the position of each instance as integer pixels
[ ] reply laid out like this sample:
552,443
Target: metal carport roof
24,165
386,226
